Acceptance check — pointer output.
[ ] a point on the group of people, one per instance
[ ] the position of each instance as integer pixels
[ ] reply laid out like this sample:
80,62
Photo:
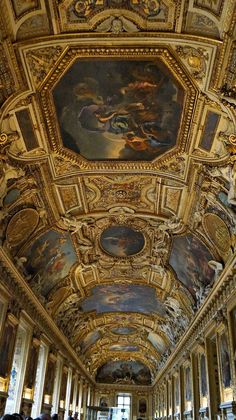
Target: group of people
42,416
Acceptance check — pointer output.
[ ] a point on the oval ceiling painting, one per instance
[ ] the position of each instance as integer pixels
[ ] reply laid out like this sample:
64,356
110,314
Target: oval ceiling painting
119,109
121,241
126,372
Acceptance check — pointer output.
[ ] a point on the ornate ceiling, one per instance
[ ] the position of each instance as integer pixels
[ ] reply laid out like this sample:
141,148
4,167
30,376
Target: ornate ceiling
117,187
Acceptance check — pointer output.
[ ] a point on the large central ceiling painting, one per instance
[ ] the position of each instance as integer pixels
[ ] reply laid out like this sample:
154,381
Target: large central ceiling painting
119,109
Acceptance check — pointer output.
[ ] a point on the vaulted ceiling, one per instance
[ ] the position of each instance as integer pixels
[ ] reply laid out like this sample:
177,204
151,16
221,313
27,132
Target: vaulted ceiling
117,187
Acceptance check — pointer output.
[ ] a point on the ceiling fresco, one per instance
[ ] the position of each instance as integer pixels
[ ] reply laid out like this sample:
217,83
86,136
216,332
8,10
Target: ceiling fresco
117,172
121,241
123,298
126,110
51,257
124,372
190,260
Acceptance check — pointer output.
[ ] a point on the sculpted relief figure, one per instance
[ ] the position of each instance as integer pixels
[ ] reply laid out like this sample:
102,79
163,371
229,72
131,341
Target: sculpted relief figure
201,293
229,173
73,224
217,267
173,223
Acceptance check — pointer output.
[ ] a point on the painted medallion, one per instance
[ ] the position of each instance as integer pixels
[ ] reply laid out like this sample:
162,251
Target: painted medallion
121,241
22,225
123,347
50,259
217,231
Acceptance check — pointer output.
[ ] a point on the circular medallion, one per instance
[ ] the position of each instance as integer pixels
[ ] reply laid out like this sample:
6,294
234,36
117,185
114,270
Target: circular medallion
121,241
217,231
21,225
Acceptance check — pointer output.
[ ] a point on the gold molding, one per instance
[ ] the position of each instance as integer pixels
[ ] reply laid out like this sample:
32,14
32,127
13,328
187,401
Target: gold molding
162,53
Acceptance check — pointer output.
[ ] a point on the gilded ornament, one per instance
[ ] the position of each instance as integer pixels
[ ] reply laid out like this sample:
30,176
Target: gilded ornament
217,231
196,59
41,61
106,162
213,6
21,226
3,139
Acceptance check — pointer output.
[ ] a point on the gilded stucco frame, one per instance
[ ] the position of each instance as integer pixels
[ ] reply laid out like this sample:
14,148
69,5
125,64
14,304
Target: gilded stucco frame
162,53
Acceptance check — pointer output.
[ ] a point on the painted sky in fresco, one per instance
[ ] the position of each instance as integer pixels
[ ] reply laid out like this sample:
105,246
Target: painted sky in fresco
123,330
50,259
157,341
121,241
123,298
123,347
118,109
189,258
89,340
129,372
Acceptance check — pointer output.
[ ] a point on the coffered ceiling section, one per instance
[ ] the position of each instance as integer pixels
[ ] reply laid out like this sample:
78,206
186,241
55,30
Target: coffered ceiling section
117,183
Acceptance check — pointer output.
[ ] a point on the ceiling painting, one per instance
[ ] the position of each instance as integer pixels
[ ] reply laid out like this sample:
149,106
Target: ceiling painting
89,340
27,129
123,298
121,241
223,198
189,258
49,260
123,330
21,226
157,341
117,171
209,131
126,372
11,197
123,347
106,102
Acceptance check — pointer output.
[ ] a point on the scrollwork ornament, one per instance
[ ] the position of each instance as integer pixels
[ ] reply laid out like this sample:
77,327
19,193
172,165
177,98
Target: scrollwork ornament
196,59
3,139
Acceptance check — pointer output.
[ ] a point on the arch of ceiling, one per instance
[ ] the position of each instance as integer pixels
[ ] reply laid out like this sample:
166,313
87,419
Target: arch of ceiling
65,218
